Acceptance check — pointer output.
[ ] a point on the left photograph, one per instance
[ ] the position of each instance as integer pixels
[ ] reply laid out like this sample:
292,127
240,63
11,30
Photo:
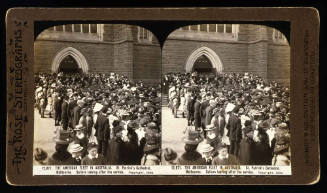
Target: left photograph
97,95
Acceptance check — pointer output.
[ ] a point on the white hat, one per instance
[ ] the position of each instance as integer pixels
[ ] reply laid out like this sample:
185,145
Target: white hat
205,148
78,127
278,104
212,102
38,89
209,127
230,107
133,89
266,89
97,107
80,102
74,148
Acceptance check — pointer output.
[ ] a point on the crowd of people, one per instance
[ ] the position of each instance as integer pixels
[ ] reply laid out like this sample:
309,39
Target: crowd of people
99,119
233,119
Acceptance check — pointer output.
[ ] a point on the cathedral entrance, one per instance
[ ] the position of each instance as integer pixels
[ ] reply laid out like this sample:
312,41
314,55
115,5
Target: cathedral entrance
203,65
69,60
204,60
69,65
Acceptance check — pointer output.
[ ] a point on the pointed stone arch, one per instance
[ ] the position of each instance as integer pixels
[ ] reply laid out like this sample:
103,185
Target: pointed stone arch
77,55
209,53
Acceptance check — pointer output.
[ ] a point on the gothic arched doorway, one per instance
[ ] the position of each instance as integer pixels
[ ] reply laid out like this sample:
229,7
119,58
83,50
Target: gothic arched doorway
203,65
69,65
67,59
211,60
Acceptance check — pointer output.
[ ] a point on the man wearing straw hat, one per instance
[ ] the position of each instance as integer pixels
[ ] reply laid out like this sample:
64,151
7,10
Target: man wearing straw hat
207,153
76,151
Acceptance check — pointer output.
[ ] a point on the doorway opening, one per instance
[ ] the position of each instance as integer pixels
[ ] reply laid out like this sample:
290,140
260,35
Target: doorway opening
203,65
69,65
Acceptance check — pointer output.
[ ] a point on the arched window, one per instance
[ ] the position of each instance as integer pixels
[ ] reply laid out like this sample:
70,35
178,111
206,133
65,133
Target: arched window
88,32
144,35
278,37
212,31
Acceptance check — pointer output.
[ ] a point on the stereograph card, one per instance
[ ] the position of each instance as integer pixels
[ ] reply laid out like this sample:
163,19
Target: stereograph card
153,96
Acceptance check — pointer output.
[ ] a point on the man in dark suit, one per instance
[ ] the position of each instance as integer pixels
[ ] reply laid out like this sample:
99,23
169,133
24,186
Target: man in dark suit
64,113
204,106
197,114
190,110
57,108
220,122
234,132
70,110
77,113
102,131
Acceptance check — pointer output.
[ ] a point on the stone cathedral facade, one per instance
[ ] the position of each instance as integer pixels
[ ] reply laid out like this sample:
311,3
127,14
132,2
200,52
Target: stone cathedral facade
135,51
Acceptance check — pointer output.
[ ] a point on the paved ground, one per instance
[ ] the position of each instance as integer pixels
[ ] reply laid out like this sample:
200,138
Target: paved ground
44,133
172,131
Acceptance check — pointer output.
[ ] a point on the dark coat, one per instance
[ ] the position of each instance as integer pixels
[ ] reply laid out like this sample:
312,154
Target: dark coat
57,105
262,154
190,108
197,114
131,151
191,158
64,112
231,160
114,152
70,109
234,128
203,108
209,162
209,116
63,158
76,161
130,154
102,128
76,115
246,151
95,161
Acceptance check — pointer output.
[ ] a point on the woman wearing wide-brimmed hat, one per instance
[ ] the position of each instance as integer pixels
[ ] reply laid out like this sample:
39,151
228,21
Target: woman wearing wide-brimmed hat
114,151
223,157
152,148
191,156
262,151
61,156
93,157
246,153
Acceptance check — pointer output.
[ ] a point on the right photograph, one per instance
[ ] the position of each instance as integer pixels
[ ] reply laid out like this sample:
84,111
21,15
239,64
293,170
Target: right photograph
226,96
